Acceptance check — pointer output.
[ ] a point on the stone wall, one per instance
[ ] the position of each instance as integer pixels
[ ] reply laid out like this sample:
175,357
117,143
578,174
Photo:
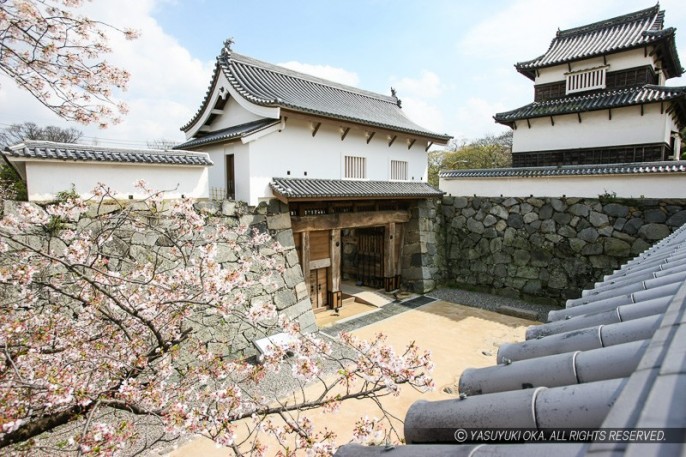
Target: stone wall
547,247
287,290
421,264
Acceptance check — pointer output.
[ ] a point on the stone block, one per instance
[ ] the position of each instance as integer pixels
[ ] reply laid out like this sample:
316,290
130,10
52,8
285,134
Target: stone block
530,217
461,202
489,220
655,215
588,234
546,212
521,257
510,202
515,221
592,249
499,212
279,221
579,209
285,238
284,298
653,232
598,219
617,248
616,210
677,219
558,205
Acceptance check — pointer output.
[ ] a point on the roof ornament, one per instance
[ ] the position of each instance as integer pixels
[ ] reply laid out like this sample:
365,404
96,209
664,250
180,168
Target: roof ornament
227,46
394,94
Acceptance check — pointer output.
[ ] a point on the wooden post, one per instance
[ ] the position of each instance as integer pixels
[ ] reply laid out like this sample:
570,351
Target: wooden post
305,256
336,298
389,260
400,233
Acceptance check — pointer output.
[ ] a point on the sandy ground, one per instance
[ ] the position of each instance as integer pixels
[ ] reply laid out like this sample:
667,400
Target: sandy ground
458,337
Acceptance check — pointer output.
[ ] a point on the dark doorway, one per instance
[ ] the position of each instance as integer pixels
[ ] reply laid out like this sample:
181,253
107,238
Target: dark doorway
230,178
369,259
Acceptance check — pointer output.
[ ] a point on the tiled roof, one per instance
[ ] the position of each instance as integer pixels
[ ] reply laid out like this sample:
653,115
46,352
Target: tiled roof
297,188
236,131
645,27
269,85
570,170
49,150
614,358
594,101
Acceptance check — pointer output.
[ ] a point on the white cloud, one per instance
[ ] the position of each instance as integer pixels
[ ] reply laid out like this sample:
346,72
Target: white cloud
428,85
166,87
474,118
418,96
338,75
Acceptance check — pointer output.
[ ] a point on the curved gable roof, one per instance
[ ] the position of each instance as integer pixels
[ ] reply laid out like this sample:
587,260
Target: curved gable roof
634,30
269,85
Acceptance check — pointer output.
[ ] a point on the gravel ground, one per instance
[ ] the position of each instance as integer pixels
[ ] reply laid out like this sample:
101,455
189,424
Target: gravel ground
490,302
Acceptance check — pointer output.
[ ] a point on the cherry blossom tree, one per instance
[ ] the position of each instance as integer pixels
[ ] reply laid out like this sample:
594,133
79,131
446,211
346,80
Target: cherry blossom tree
101,307
50,50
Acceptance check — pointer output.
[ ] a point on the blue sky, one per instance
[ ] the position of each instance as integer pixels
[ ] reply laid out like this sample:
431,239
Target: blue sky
450,61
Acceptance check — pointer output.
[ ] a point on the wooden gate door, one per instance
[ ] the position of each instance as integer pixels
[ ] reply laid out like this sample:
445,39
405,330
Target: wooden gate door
318,289
370,256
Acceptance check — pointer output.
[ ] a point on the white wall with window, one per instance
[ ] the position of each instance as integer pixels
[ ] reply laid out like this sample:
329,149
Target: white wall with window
294,152
354,167
398,170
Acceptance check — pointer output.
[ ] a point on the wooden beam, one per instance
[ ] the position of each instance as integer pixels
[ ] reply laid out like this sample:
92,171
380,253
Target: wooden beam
609,114
305,256
370,135
217,111
321,263
579,116
552,121
315,128
428,146
528,123
662,107
335,285
390,143
641,109
347,220
411,143
205,128
344,132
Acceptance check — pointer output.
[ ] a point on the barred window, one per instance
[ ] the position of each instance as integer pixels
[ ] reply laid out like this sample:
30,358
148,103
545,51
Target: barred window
580,81
398,170
355,167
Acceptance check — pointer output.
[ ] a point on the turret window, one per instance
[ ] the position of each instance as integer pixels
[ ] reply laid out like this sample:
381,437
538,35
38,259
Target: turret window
580,81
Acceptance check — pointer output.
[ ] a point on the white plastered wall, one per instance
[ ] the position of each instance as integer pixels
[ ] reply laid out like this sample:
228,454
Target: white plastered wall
46,178
295,150
596,129
668,185
619,61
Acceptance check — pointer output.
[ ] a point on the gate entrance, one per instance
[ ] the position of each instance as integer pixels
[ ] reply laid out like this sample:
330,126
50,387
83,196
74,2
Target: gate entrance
368,262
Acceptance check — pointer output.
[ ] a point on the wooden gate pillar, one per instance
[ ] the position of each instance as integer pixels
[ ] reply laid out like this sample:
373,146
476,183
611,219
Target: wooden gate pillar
335,294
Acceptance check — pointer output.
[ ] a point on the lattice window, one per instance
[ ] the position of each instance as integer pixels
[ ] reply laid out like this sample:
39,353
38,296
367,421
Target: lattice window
355,167
399,170
583,80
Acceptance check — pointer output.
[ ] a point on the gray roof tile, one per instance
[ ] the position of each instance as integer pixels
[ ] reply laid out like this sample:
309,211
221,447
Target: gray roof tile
612,35
297,188
49,150
270,85
595,101
665,167
234,132
630,373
